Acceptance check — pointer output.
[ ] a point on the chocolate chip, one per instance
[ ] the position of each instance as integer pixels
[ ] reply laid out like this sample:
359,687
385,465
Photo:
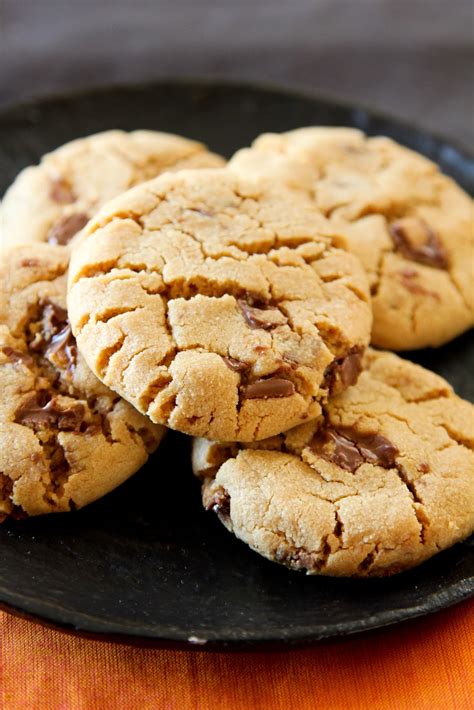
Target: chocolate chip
431,253
18,356
349,448
258,316
29,263
344,370
61,192
269,388
64,230
39,411
220,503
236,365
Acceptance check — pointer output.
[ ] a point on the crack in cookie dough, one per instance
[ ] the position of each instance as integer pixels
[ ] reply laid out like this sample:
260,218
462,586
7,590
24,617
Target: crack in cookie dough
382,481
52,202
228,304
395,211
80,439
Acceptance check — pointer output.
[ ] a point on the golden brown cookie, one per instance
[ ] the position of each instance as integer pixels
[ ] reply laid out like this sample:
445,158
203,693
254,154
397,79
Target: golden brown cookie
381,482
51,202
411,226
65,439
218,307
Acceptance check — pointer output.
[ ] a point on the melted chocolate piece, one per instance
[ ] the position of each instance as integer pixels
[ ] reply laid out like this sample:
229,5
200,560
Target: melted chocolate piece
220,504
431,253
255,316
344,370
64,230
349,448
338,449
61,192
55,339
18,356
236,365
269,388
53,319
29,263
62,350
40,411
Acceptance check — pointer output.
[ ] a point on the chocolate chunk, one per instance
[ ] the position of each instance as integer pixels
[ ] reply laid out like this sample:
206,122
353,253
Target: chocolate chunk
375,448
39,411
431,253
64,230
61,192
55,339
338,449
62,350
18,356
220,503
53,319
268,388
344,370
255,316
349,448
236,365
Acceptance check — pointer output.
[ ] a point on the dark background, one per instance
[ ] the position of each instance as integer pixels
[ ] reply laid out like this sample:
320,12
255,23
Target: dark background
410,58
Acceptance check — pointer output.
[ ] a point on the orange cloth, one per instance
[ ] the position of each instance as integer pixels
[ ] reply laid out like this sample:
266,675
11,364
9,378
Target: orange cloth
422,664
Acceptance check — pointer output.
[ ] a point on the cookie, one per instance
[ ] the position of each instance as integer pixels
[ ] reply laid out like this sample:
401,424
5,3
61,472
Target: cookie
65,439
218,307
411,226
383,481
53,201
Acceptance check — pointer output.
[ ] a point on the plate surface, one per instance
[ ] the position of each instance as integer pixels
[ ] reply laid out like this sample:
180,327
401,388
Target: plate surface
146,563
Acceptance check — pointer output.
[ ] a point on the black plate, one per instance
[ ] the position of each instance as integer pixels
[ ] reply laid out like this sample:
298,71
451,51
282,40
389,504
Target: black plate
146,563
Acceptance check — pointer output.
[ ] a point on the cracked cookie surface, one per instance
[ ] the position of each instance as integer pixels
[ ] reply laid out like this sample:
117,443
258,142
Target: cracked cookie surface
217,307
383,481
65,439
51,202
411,226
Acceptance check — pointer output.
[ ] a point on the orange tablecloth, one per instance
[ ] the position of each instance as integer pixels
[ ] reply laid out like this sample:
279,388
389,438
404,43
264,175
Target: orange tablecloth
423,664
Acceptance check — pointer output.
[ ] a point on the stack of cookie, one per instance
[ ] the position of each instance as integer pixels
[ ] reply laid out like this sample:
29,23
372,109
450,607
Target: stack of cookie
145,284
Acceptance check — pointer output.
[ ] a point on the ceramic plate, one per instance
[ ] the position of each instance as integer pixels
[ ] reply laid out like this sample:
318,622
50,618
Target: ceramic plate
146,563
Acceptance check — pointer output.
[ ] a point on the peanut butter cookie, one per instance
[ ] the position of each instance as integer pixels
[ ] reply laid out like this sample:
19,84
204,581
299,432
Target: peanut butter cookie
411,226
381,482
218,307
65,439
51,202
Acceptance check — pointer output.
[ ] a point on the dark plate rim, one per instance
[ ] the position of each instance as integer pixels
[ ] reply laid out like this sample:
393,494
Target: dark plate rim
439,600
444,599
218,81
